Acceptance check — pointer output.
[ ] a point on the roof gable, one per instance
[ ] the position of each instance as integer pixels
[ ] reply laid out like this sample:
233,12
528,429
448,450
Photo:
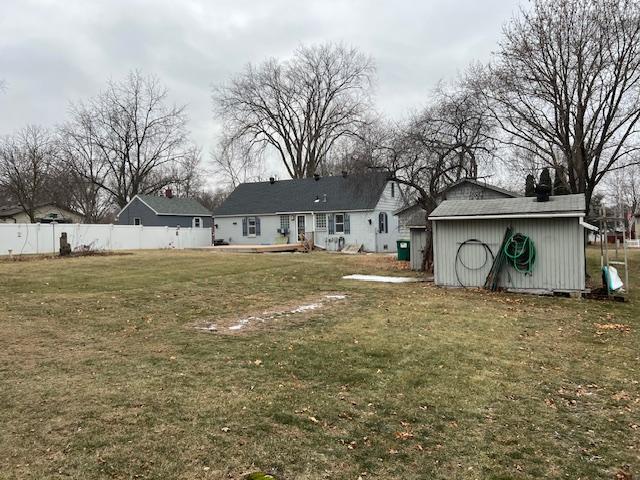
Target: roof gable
326,194
9,210
488,186
173,206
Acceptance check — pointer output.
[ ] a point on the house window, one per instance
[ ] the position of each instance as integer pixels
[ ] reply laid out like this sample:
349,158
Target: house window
251,226
383,223
136,221
321,221
339,222
284,223
393,189
197,222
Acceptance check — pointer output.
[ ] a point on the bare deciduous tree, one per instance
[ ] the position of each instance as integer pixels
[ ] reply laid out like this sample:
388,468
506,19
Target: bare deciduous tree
26,159
297,108
565,86
623,186
128,140
236,164
435,149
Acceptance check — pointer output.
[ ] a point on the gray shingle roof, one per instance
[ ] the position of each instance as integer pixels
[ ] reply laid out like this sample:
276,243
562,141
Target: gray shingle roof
510,206
175,205
353,192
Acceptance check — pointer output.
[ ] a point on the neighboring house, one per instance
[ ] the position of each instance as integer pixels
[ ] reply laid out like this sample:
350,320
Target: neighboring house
44,213
164,211
464,189
412,219
333,211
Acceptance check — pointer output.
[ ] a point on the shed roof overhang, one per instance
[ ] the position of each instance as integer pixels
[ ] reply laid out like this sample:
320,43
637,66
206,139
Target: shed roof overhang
578,215
509,216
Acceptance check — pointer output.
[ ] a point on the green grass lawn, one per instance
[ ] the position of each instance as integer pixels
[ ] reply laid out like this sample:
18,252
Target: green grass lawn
102,374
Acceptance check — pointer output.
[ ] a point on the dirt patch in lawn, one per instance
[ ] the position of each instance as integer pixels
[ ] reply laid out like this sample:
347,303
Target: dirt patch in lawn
272,317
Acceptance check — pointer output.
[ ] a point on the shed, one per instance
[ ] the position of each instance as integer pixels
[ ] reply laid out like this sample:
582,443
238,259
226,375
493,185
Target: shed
556,227
412,219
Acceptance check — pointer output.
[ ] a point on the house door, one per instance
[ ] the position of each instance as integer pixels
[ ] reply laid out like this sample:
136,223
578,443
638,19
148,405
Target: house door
301,229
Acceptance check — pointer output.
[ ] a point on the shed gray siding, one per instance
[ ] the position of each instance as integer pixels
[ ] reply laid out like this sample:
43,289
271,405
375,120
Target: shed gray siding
559,242
137,209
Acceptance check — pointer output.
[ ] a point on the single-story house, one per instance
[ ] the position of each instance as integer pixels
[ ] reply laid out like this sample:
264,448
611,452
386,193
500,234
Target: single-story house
44,213
333,211
164,211
412,219
468,235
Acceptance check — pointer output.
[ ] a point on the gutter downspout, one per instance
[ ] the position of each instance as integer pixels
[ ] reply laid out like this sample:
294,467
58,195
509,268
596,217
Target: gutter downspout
588,226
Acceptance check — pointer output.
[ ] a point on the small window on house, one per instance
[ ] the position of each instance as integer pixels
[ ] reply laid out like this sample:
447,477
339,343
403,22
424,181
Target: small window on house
321,221
251,226
339,222
197,222
136,221
284,223
383,223
393,189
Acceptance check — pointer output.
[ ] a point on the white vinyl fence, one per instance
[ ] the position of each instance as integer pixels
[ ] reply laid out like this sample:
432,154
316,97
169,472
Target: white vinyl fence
27,238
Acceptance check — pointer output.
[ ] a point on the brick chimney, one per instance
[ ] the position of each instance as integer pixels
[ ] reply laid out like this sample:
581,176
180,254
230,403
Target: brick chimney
168,193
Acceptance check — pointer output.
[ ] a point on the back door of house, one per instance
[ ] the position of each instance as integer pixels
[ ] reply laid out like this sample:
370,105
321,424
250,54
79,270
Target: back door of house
301,228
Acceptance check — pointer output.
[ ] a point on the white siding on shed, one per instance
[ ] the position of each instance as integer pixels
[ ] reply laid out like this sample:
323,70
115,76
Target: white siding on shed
559,242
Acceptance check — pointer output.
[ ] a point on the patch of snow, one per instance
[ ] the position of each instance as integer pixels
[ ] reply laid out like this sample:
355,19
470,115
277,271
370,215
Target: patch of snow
241,324
382,279
268,316
306,308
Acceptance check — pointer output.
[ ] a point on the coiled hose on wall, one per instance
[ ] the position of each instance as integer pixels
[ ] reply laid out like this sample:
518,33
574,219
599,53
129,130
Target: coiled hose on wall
521,253
487,253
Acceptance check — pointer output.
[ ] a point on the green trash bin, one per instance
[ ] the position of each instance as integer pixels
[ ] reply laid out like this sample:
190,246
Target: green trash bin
404,252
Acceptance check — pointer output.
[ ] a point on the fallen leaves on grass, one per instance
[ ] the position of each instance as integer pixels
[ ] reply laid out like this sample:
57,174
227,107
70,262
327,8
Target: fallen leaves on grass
620,327
404,435
623,474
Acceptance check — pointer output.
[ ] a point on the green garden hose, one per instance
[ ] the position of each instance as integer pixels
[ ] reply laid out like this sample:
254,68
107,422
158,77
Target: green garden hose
521,253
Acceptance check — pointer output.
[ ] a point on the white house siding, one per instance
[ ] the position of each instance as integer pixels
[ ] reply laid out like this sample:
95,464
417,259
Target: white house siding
559,261
42,212
361,233
229,229
386,242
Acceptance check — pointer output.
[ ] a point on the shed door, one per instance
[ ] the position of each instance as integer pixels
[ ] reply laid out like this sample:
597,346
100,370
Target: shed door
418,246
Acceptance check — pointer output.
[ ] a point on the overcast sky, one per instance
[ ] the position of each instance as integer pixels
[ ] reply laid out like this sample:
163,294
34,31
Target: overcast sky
53,52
